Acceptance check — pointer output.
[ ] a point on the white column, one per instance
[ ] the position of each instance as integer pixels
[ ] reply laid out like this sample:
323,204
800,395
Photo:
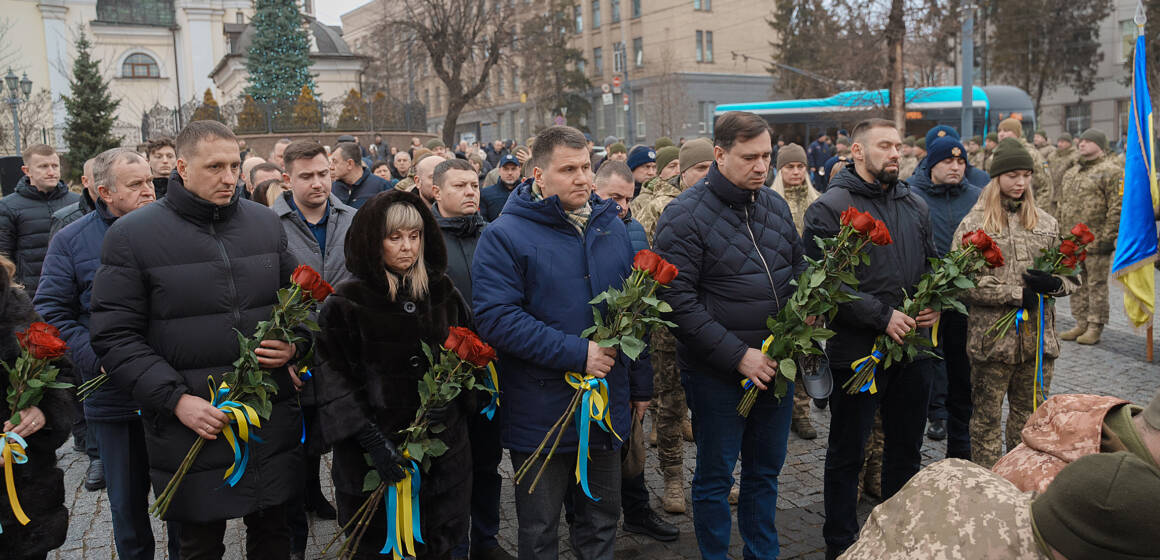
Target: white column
56,48
201,42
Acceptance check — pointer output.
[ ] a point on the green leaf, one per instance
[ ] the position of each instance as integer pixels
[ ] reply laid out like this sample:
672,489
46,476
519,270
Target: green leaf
609,342
664,307
436,447
35,383
788,368
632,346
416,450
371,481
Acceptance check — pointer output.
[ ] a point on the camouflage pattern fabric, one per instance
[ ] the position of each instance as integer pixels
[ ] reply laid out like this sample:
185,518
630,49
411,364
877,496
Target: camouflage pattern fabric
1089,303
1059,162
1091,194
670,409
654,196
906,167
870,479
1041,183
1046,150
407,184
951,510
990,382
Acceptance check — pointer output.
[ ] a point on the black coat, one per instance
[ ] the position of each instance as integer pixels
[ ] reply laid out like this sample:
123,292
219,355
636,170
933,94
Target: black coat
25,224
893,268
371,363
736,251
367,186
163,320
460,235
39,483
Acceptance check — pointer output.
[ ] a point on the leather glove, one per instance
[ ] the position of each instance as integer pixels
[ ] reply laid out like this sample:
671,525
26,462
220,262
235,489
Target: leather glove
1041,282
439,415
384,455
1030,299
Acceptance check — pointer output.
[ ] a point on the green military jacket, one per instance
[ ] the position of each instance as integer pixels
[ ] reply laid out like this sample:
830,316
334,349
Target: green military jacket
1091,194
1059,162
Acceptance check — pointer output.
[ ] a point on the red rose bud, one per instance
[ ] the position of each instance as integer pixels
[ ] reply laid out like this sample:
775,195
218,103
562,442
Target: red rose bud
849,215
36,327
1070,262
993,256
469,347
480,353
1082,234
666,273
864,224
880,235
1082,256
647,261
980,240
1068,247
44,345
311,282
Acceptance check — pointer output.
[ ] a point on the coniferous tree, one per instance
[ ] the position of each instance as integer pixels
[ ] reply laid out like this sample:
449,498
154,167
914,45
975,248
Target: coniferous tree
251,118
555,75
90,108
209,108
278,60
306,112
351,117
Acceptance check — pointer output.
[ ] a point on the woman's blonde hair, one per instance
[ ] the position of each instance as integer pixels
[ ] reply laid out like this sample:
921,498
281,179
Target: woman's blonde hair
402,217
995,216
10,270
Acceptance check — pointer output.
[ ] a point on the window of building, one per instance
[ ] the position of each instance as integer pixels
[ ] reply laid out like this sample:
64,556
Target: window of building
635,8
638,51
614,7
708,46
705,114
1123,116
1127,39
578,15
598,60
240,17
702,5
140,65
136,12
700,46
515,82
595,14
638,113
1077,118
618,57
581,67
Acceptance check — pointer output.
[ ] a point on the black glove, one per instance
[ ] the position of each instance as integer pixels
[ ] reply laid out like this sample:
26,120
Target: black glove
1041,281
1030,299
384,455
439,415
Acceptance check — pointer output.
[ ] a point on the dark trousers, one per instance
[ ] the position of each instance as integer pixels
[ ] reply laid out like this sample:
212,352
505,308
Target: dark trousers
267,537
593,532
903,397
958,377
486,454
81,432
296,518
121,445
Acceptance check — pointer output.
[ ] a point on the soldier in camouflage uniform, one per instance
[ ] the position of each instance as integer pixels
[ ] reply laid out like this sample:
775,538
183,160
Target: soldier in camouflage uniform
908,162
1041,180
1045,148
669,396
1006,366
1060,161
1091,193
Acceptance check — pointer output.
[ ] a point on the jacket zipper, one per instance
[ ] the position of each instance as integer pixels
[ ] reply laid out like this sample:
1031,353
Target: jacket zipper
229,270
768,274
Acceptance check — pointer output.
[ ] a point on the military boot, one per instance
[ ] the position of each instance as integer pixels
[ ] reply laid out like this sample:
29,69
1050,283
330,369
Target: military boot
1092,334
803,428
1080,328
674,499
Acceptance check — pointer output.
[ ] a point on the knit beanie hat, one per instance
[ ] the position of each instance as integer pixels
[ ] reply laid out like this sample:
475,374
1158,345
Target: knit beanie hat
909,141
641,155
944,148
1010,156
939,132
920,144
1012,125
1065,137
662,142
994,137
435,143
666,155
1041,132
610,140
695,151
1093,135
617,148
977,139
1102,506
790,153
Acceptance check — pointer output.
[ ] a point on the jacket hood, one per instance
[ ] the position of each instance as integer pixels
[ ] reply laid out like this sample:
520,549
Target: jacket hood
26,189
194,208
459,226
1068,426
848,179
548,211
364,239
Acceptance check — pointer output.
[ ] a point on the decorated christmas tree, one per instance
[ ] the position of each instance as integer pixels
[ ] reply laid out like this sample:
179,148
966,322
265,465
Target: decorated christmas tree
278,60
90,111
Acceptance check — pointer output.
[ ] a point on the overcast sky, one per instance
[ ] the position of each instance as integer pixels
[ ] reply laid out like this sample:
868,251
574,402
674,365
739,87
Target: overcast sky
330,11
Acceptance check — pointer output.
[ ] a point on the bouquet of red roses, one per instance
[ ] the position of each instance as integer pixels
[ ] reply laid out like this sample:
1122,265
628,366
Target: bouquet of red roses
937,290
462,356
793,341
244,393
1063,260
633,310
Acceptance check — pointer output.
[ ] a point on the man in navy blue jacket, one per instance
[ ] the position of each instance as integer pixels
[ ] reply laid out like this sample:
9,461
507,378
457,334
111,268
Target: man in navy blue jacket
554,248
737,249
123,183
354,184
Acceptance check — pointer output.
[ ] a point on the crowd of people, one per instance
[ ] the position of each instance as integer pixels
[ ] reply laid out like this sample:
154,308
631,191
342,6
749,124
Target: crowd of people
167,251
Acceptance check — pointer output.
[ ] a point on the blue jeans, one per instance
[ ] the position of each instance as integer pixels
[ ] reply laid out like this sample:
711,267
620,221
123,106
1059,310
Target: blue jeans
122,448
721,436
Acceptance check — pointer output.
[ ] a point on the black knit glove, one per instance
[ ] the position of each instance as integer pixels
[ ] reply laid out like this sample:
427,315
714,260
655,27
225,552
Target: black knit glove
384,455
1030,299
1042,282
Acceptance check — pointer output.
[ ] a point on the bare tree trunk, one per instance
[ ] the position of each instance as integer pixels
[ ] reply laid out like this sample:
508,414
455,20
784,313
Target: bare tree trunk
895,33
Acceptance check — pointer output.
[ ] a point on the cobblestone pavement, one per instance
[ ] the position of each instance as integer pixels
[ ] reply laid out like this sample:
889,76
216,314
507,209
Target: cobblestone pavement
1115,367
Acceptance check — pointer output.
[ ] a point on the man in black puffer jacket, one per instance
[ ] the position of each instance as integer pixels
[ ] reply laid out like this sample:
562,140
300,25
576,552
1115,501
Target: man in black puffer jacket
26,214
163,321
736,247
903,390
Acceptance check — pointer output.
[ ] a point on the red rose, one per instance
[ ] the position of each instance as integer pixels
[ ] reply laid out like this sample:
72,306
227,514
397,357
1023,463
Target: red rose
665,273
849,215
980,240
1068,247
993,256
44,345
480,354
36,327
880,235
311,282
1070,262
1082,256
469,347
647,261
863,223
1082,234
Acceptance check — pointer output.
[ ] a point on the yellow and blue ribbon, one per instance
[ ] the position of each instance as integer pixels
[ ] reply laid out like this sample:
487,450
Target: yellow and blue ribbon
491,385
593,408
746,383
934,332
403,529
1039,391
13,452
1020,317
243,415
871,362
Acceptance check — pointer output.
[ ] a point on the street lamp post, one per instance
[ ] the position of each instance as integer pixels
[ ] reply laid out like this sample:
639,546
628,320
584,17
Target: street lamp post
16,87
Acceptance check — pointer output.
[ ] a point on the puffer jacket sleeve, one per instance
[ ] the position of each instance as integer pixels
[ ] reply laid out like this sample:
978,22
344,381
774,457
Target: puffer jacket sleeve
679,242
8,231
868,311
341,413
57,300
498,291
120,303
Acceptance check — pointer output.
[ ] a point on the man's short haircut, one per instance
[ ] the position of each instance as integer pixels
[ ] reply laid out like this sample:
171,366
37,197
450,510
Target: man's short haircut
447,165
858,134
738,126
197,132
155,144
264,166
87,168
104,162
302,149
37,150
348,150
546,142
380,163
613,168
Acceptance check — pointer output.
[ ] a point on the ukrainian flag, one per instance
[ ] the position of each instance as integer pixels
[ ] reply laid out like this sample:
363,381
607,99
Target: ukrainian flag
1136,244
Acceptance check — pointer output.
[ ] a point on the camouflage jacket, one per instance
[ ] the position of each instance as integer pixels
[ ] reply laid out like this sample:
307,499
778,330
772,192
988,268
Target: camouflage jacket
1063,429
906,167
977,159
405,184
1000,290
1091,194
1041,182
799,198
655,194
1046,150
1059,162
951,510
